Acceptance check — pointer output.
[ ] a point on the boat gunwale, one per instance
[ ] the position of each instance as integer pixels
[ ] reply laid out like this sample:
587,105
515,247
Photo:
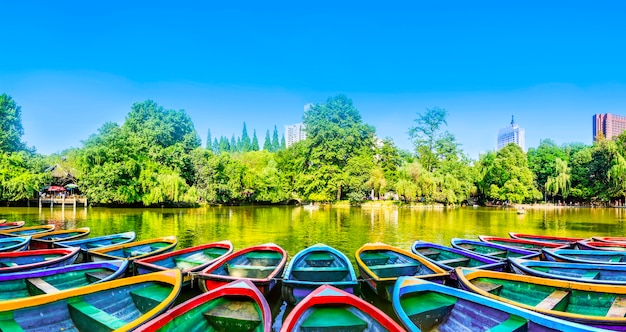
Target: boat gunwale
148,262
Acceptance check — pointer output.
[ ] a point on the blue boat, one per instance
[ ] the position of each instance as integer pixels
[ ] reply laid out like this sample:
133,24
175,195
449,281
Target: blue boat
14,243
52,280
96,243
585,256
492,249
30,260
581,272
315,266
449,258
425,306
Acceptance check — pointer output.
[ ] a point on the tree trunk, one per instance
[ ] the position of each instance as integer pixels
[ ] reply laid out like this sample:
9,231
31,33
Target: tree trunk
339,193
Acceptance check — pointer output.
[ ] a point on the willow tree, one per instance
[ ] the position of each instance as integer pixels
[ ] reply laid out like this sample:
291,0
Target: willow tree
561,182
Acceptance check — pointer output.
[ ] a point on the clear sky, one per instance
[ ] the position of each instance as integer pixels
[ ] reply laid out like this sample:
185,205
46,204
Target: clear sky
74,65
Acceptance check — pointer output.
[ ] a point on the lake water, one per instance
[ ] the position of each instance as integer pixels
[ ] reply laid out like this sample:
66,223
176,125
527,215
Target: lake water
346,229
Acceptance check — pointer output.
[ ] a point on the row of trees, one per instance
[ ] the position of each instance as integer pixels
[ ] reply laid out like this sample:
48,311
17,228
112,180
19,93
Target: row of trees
155,158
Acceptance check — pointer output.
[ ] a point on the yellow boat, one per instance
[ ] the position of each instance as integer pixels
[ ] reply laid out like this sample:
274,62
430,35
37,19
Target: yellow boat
120,305
31,230
380,265
135,250
602,306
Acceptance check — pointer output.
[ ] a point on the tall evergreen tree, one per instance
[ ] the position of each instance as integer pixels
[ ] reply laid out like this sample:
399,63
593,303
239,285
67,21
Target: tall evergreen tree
254,146
276,144
209,141
245,140
234,146
216,146
267,144
283,144
224,144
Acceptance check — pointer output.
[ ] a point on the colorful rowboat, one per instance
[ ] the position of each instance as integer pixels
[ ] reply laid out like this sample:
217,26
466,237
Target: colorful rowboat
46,240
546,238
602,306
121,305
425,306
237,306
261,264
134,250
599,245
517,243
585,256
579,272
30,260
491,249
330,309
187,260
53,280
315,266
4,225
449,258
24,231
380,265
619,239
14,243
96,243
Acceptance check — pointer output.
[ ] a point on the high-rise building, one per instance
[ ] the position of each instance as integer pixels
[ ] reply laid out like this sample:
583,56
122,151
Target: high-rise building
610,125
511,134
294,133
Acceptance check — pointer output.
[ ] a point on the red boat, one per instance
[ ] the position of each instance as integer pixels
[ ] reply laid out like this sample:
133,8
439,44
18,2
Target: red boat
4,225
327,305
517,243
238,306
36,259
618,239
261,264
598,245
546,238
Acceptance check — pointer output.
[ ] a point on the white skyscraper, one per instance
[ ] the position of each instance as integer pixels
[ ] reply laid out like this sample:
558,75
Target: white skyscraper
294,133
511,134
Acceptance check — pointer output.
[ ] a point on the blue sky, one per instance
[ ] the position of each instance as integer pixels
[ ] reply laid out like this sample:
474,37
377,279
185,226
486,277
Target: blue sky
73,66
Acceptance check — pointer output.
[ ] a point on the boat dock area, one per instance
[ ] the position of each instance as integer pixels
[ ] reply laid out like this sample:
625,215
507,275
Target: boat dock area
63,201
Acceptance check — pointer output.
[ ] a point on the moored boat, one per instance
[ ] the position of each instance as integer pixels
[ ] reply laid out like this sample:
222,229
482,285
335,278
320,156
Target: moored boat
518,243
546,238
618,239
53,280
121,305
315,266
330,309
491,249
380,265
4,225
585,256
237,306
93,243
192,259
23,231
46,240
449,258
135,250
599,245
14,243
602,306
580,272
261,264
425,306
30,260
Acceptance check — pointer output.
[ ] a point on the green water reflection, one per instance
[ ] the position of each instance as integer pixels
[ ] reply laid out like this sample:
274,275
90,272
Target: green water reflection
346,229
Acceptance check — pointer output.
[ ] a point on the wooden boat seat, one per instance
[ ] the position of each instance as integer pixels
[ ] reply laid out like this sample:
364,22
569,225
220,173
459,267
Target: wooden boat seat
590,274
394,270
490,287
89,318
513,323
233,316
94,245
40,286
377,258
97,276
461,261
615,259
268,258
158,246
428,252
8,264
10,325
556,298
333,319
249,271
319,259
468,246
495,253
187,260
618,308
149,297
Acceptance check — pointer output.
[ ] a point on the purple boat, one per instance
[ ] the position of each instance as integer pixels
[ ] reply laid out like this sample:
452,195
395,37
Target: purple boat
30,260
492,250
449,258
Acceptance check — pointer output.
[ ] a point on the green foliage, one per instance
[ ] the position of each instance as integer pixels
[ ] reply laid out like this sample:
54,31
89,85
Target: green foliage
11,130
542,161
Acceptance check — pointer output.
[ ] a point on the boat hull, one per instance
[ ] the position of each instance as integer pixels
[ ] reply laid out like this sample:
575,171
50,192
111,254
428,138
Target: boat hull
327,305
27,231
242,300
134,250
585,256
579,272
46,240
316,266
14,243
491,249
99,242
31,260
449,258
563,240
11,224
